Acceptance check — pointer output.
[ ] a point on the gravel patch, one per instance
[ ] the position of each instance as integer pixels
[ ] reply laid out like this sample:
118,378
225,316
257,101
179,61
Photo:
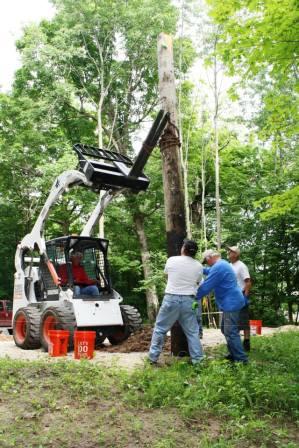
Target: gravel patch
212,337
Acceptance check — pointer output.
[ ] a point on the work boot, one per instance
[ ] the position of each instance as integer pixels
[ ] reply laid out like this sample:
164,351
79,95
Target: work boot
150,362
229,357
246,345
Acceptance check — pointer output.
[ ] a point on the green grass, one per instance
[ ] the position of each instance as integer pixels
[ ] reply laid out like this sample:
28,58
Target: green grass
66,404
268,385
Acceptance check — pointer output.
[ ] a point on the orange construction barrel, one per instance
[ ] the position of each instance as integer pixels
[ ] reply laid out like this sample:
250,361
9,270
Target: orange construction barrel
59,340
84,344
255,327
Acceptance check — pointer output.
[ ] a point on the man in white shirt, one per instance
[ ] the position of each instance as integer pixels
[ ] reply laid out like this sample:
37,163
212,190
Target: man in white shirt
184,274
244,282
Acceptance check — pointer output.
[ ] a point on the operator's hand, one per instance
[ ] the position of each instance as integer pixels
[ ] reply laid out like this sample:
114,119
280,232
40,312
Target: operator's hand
194,305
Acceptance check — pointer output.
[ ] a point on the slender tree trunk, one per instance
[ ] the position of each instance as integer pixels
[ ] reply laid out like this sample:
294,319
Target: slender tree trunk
203,205
203,188
100,143
186,200
152,301
290,312
184,142
217,168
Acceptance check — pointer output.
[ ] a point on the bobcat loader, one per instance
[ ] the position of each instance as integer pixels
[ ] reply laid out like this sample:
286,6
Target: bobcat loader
41,302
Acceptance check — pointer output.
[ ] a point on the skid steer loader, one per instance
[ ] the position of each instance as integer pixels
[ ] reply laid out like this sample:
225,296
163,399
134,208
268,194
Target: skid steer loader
41,301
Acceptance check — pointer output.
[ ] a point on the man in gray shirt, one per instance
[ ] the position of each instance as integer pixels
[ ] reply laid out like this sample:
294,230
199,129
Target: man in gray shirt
184,274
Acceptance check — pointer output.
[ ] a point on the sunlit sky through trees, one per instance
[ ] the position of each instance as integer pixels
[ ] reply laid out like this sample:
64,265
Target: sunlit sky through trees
15,14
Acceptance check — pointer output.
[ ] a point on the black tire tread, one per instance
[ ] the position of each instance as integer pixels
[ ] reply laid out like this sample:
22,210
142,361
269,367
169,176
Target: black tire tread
66,321
32,339
134,320
132,323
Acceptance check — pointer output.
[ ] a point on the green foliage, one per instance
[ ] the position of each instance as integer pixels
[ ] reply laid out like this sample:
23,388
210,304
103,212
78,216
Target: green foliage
266,32
258,41
282,204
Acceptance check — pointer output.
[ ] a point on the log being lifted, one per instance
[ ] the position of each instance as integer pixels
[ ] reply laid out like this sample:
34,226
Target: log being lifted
107,170
149,143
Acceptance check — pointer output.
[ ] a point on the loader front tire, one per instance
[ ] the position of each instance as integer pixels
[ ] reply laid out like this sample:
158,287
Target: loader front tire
26,325
57,318
132,323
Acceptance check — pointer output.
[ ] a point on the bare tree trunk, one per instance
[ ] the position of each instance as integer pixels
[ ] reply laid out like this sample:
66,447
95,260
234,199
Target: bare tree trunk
172,174
203,197
186,201
184,144
217,168
152,301
100,139
290,313
172,177
100,142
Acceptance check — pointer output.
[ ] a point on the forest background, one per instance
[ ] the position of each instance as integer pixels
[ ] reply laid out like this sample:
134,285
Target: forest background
89,75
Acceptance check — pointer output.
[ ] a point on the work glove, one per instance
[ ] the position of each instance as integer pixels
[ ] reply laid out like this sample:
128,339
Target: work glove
194,305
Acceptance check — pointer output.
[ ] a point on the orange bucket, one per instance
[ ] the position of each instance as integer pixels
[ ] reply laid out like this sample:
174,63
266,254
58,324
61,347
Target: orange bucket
59,340
255,327
84,344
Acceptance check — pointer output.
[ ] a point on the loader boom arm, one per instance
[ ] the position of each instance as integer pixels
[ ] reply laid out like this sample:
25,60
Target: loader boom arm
62,183
99,170
99,211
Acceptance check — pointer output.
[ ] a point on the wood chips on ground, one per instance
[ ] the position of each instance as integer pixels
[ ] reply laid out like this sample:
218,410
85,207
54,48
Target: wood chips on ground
137,342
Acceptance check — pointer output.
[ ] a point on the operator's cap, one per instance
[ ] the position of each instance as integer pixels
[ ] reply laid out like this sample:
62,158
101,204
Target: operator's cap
209,253
234,249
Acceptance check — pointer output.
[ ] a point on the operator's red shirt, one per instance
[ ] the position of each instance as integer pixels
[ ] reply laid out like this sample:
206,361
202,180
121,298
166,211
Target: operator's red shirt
79,275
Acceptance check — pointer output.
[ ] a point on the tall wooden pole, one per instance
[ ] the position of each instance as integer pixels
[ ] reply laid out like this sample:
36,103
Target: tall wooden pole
171,166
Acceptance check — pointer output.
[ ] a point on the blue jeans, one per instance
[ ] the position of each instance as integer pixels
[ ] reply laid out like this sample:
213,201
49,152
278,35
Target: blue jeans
230,329
176,308
90,290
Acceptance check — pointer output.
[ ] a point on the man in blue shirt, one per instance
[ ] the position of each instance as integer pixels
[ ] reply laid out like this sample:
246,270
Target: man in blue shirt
229,299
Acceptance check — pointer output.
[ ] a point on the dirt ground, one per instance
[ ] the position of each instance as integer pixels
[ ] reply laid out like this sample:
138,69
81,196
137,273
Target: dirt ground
130,353
139,342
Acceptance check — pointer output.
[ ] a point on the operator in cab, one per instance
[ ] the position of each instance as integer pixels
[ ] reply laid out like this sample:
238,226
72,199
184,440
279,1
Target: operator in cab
83,285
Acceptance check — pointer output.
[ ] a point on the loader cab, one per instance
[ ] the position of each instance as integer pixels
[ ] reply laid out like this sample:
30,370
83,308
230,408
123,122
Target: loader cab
94,262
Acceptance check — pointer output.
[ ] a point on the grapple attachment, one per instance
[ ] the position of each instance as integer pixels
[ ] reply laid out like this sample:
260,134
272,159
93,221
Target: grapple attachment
108,170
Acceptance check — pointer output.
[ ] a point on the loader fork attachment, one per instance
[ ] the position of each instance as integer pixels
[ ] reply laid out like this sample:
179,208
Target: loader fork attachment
108,170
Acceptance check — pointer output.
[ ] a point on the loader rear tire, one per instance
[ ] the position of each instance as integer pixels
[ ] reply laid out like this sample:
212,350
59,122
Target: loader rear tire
26,325
57,318
132,323
99,339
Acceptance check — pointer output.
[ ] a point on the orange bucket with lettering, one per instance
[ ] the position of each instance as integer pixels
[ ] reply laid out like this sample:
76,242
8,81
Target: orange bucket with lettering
84,344
255,327
59,340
